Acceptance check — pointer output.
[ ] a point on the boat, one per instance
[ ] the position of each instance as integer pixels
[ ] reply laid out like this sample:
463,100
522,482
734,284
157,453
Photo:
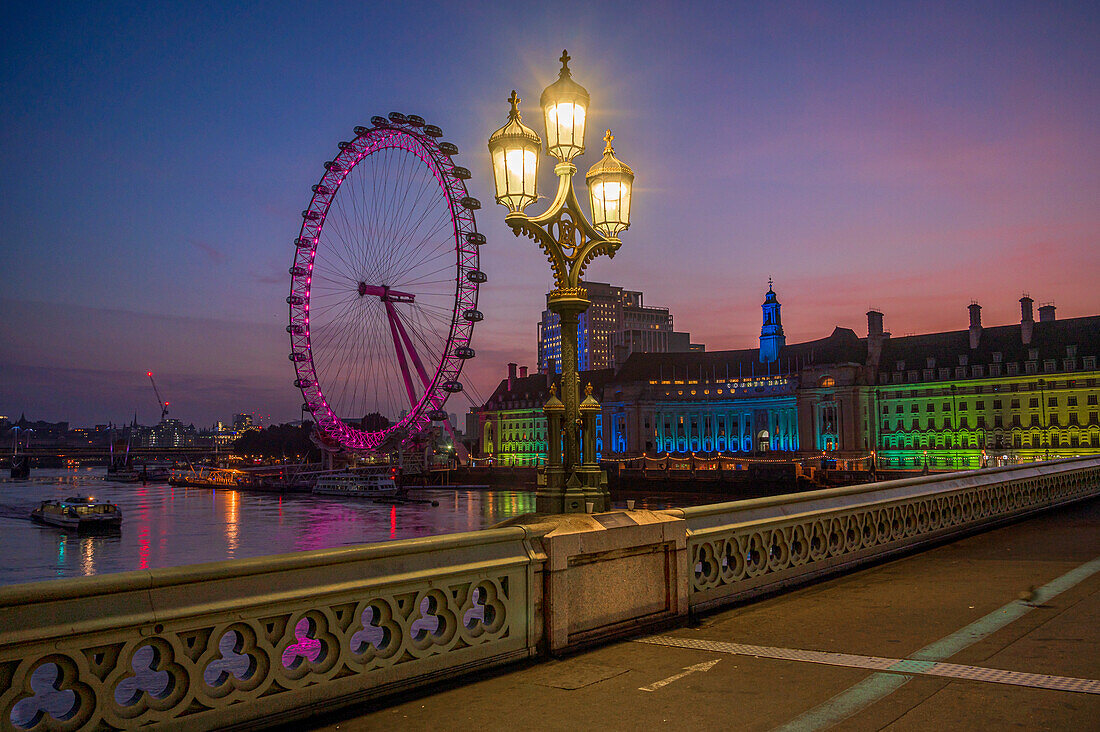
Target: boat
365,485
78,512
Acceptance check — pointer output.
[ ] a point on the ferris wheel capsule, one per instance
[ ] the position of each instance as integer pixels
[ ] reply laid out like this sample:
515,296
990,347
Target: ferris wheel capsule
452,386
476,239
398,118
437,415
463,173
432,131
448,148
415,120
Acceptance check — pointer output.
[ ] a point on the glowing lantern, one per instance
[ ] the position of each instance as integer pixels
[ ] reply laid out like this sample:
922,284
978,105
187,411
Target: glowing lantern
515,149
609,186
564,107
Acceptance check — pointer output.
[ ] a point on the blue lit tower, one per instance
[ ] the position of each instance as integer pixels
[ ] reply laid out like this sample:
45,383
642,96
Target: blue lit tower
771,333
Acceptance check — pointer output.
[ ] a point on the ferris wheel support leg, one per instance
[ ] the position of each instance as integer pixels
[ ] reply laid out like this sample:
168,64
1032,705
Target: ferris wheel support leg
409,345
460,449
401,360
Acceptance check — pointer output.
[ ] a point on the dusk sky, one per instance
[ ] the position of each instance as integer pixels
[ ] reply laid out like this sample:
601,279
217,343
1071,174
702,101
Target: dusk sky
156,158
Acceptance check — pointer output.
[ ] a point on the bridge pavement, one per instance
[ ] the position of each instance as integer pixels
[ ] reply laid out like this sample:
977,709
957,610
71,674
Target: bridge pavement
1023,598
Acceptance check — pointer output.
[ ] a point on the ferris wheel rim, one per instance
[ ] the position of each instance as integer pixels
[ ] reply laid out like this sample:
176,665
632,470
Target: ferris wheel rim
420,140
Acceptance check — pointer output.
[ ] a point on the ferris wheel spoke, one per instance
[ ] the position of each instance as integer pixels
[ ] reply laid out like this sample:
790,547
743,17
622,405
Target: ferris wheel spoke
336,223
433,242
409,222
413,258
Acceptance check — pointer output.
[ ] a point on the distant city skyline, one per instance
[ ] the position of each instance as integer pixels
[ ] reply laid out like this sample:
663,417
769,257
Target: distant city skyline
156,160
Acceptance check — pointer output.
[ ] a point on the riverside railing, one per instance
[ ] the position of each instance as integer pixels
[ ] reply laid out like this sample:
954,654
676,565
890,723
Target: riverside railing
271,639
228,643
743,549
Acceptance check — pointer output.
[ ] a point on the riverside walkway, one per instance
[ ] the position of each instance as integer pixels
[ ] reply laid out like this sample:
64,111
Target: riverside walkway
991,631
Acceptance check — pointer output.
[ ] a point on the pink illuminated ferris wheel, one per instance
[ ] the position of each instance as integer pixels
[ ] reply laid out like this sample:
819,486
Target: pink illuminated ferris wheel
383,290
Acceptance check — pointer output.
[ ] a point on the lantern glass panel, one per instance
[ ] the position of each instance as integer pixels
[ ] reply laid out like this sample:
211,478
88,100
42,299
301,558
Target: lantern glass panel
515,171
565,129
610,205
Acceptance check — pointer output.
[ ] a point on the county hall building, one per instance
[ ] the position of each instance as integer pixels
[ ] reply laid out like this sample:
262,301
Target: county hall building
962,398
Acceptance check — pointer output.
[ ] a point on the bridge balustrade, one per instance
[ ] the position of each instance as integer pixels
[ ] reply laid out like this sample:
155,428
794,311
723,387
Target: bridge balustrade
209,646
743,549
277,638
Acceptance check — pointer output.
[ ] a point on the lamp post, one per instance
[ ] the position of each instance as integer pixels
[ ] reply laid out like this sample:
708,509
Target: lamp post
570,241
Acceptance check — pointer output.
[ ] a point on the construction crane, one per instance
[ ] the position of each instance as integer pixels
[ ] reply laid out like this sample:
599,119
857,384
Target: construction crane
160,402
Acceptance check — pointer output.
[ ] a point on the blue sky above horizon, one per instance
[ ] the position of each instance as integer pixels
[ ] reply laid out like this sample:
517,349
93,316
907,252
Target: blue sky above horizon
156,156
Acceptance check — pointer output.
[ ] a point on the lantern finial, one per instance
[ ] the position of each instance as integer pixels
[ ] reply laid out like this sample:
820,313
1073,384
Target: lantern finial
514,100
565,57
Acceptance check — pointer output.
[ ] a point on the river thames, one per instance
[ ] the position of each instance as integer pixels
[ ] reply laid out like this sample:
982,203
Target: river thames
166,526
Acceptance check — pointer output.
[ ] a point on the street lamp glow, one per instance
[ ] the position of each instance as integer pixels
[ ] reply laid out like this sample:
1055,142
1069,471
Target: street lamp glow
565,108
609,185
514,149
573,478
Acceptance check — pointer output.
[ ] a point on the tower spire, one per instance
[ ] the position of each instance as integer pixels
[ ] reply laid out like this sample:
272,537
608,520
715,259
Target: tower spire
771,332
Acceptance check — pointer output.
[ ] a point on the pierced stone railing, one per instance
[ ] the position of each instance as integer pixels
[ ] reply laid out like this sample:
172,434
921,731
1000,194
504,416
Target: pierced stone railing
271,639
744,549
228,643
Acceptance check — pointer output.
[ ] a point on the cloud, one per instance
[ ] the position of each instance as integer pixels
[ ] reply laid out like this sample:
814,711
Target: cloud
215,255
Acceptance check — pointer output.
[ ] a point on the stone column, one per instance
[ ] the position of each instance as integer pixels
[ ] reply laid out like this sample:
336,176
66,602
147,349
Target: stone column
549,495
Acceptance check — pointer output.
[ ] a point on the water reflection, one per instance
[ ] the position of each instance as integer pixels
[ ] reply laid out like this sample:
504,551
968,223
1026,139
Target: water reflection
87,555
164,526
232,518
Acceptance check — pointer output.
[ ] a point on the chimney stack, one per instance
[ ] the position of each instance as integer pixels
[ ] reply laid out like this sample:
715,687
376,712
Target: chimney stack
511,375
874,323
1046,313
975,324
523,372
875,338
1027,320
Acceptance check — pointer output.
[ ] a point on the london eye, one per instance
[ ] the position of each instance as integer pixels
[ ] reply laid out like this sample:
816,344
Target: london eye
384,285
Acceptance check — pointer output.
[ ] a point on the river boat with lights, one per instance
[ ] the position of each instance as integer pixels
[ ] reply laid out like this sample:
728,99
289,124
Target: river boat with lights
79,512
379,484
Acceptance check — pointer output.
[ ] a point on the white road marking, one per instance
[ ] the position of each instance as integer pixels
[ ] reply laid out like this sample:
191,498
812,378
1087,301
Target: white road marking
908,666
688,670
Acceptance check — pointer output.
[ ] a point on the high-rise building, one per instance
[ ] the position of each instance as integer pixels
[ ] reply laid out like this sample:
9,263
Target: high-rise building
616,324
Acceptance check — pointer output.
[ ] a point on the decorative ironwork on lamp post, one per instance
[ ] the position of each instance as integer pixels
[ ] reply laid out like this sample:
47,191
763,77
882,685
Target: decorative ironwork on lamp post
570,241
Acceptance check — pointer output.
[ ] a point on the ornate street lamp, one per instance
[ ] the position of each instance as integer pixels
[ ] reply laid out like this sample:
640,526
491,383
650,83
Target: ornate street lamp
570,241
